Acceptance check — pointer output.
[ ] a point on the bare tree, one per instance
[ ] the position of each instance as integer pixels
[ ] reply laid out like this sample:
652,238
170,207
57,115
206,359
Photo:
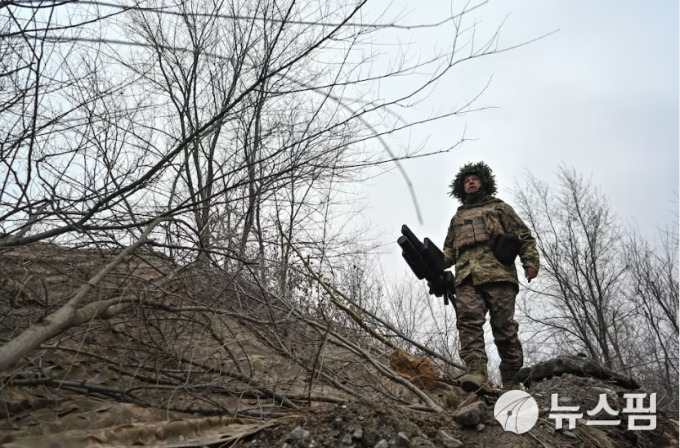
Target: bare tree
653,289
580,299
604,291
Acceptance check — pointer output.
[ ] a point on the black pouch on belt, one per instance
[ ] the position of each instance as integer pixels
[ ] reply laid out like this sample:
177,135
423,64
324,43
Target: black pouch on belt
506,247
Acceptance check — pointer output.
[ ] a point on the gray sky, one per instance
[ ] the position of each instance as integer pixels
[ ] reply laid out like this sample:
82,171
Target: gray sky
600,95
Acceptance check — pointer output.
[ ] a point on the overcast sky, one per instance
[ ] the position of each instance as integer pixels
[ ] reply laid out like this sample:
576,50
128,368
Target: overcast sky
600,95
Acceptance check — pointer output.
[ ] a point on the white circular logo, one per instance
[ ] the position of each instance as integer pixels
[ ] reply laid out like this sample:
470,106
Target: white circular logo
516,411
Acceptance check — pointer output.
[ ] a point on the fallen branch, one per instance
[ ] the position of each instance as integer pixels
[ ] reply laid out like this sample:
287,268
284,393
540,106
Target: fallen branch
68,315
246,380
350,312
76,386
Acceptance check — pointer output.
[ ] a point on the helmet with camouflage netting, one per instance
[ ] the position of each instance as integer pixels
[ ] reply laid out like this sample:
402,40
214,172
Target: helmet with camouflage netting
482,170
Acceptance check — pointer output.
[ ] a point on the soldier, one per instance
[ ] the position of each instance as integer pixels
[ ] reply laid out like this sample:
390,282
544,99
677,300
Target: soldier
483,282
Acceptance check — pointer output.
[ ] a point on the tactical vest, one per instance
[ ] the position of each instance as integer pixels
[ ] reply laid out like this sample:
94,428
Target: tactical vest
475,225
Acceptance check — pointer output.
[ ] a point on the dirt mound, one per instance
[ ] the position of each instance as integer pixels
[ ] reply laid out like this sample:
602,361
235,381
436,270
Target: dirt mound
201,358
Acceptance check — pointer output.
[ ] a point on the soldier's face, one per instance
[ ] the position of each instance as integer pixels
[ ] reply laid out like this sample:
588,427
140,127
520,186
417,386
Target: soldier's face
472,183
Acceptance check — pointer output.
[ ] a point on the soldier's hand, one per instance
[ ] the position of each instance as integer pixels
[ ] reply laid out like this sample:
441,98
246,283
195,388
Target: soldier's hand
530,273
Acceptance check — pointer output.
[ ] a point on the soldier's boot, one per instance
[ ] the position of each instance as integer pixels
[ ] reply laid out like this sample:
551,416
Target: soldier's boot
476,377
509,377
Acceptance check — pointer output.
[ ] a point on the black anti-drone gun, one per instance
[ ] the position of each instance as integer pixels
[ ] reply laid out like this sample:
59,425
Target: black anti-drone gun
427,262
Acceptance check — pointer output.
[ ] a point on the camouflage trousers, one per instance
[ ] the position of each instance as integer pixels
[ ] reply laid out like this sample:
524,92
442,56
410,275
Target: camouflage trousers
471,304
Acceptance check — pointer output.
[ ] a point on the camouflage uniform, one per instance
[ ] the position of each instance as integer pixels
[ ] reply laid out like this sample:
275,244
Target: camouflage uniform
484,283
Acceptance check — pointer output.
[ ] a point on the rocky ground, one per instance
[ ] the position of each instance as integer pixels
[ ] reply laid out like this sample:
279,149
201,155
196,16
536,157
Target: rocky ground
357,425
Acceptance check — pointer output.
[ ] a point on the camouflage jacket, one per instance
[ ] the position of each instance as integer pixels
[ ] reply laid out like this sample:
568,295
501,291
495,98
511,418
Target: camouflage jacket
474,258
